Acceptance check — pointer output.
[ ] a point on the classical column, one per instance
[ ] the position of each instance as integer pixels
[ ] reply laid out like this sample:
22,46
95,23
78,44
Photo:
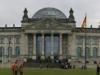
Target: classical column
13,45
83,48
42,46
99,48
13,41
34,46
91,51
52,45
60,52
26,45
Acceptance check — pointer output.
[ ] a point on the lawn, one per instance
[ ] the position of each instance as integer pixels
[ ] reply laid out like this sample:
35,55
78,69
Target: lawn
51,72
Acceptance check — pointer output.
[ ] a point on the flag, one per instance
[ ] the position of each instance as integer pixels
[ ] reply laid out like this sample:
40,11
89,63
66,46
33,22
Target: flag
84,23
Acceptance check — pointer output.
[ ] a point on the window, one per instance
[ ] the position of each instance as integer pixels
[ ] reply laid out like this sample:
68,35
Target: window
30,44
79,52
47,45
1,51
88,54
39,45
1,40
56,45
17,51
9,51
49,48
95,52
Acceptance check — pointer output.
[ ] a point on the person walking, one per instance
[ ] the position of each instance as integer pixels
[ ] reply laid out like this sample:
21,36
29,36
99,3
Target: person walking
97,69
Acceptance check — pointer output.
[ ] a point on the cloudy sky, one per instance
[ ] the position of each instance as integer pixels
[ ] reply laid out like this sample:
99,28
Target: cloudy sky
11,11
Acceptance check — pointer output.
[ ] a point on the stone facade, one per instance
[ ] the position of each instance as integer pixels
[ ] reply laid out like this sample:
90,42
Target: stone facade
49,33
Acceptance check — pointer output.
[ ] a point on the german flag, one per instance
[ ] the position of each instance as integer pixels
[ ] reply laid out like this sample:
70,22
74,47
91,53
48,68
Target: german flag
84,23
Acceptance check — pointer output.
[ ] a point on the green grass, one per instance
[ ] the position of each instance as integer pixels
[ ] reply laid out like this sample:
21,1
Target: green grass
51,72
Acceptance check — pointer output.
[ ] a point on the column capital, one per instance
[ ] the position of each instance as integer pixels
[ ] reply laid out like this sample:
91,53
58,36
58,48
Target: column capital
42,33
34,34
52,34
60,33
60,36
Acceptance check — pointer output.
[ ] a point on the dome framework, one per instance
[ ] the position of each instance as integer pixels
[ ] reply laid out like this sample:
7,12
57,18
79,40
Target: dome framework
49,13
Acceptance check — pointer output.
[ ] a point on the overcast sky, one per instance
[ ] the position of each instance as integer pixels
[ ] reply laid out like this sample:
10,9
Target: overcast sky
11,11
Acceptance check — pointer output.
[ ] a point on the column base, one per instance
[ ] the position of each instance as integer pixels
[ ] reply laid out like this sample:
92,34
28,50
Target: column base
34,57
43,57
52,57
60,57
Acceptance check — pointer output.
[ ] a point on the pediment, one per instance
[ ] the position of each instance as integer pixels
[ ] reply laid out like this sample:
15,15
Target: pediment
47,24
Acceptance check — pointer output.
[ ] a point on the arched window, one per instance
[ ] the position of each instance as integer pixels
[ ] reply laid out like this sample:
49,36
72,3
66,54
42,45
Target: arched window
79,51
17,51
9,51
88,54
1,51
95,52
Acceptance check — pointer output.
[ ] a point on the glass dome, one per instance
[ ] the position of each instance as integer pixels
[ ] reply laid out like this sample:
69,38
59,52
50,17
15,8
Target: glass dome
49,12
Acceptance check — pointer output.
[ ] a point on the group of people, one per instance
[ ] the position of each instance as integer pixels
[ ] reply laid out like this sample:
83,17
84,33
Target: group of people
67,66
17,67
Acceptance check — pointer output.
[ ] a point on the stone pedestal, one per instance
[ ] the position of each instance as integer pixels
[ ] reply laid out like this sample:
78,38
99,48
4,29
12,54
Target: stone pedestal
60,57
42,57
52,57
34,57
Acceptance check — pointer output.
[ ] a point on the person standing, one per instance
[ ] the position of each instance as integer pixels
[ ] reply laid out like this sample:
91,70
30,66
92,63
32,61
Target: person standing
21,69
97,69
14,68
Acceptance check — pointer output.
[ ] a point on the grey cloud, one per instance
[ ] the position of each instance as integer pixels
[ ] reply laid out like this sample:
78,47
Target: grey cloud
11,11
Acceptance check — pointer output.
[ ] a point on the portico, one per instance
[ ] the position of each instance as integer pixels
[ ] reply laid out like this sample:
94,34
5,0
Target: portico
45,44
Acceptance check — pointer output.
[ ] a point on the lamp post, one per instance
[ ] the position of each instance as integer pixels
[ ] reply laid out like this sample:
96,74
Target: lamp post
2,49
9,50
2,55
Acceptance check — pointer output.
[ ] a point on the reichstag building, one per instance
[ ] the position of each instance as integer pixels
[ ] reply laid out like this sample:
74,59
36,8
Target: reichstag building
49,33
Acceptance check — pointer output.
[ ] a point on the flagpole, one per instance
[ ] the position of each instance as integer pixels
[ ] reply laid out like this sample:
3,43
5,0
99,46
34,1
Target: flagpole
85,65
84,31
85,59
2,56
9,51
